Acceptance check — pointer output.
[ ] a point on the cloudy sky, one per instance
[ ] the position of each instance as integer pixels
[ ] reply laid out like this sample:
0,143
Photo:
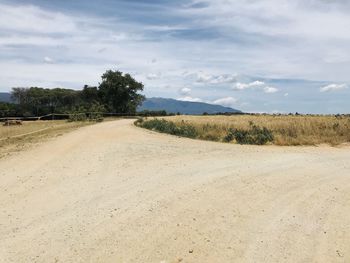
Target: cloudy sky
254,55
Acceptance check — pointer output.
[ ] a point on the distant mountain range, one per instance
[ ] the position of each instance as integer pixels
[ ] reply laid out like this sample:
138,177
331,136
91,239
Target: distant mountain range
5,97
169,105
183,107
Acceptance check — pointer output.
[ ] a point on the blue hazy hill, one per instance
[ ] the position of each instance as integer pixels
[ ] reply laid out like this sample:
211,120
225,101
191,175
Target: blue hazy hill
184,107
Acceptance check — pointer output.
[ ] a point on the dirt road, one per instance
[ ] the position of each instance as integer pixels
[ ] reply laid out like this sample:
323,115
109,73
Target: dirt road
113,192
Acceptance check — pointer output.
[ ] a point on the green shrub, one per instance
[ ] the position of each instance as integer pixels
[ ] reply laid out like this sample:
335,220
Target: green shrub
93,112
164,126
96,116
139,121
255,135
147,113
77,117
96,112
229,136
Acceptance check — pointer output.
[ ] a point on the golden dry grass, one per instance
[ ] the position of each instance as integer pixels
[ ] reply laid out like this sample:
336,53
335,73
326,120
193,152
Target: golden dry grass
14,138
287,130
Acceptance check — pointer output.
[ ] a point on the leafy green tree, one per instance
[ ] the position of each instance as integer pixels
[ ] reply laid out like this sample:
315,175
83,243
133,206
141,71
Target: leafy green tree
40,101
119,92
20,95
9,109
90,95
21,98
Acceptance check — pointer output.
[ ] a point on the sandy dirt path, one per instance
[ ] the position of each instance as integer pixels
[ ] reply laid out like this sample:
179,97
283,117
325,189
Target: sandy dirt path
113,192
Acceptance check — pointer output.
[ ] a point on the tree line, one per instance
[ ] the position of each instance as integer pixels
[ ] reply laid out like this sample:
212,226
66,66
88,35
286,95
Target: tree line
117,93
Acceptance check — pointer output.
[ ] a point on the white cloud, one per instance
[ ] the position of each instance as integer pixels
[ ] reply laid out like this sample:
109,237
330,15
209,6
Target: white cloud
243,86
302,39
223,79
29,18
185,91
152,76
215,79
310,19
204,78
48,60
227,101
76,39
270,89
255,85
191,99
333,87
57,75
286,94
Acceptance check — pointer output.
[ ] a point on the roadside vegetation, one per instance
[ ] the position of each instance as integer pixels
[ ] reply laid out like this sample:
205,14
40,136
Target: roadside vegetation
164,126
259,129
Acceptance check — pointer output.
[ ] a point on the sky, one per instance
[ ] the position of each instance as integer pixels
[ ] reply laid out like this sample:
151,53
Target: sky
274,56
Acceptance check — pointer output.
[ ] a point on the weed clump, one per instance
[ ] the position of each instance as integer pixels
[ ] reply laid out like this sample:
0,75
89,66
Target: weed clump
254,135
164,126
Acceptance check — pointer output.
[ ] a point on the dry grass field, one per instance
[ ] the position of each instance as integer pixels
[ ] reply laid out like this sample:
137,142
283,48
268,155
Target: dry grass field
14,138
287,130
